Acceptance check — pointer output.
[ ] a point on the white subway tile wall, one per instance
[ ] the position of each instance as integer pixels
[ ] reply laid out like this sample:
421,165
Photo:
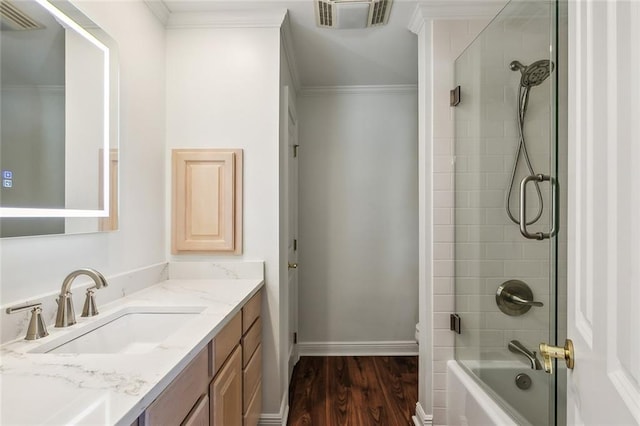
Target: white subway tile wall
474,239
450,38
489,248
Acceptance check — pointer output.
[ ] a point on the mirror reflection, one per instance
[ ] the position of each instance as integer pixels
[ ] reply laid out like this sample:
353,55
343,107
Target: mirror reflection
58,121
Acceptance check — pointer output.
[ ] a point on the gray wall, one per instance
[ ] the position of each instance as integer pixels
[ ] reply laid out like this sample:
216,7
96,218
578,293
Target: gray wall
358,216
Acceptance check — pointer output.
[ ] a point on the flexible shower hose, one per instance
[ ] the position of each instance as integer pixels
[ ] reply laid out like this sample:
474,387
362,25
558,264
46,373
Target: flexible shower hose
523,102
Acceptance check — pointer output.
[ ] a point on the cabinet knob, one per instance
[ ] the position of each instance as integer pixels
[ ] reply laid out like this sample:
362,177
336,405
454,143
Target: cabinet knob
293,265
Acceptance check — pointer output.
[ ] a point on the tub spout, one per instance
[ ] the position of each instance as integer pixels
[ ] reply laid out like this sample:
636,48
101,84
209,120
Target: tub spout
518,348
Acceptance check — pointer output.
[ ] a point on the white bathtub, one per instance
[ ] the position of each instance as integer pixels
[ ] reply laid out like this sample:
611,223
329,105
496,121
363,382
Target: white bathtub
468,404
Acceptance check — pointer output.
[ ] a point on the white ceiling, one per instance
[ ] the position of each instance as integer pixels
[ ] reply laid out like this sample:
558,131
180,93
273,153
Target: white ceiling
385,55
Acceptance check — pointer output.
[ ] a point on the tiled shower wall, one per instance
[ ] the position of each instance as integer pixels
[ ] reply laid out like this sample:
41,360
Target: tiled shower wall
450,37
490,249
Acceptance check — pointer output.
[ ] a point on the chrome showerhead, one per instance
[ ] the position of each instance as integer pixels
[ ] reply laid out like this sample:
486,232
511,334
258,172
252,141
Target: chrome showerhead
534,74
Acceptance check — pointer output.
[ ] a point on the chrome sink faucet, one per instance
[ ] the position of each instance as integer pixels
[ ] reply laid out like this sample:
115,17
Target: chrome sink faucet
66,315
516,347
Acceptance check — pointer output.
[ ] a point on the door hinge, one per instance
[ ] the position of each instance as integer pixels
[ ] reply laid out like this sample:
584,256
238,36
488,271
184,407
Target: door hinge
454,96
295,244
454,323
295,150
295,338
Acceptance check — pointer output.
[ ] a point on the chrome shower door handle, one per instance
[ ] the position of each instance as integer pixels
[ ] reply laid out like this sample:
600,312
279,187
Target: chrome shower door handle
523,207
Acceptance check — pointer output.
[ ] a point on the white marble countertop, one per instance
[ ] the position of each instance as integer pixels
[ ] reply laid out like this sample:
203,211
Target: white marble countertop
106,389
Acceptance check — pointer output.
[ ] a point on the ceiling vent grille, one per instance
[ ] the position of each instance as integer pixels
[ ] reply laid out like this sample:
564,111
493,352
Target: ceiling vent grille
325,14
13,18
379,12
352,14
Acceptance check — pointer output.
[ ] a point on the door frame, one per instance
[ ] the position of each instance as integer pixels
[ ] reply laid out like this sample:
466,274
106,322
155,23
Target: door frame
291,255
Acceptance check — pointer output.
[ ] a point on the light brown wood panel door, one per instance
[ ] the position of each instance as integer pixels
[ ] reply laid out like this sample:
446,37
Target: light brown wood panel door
225,393
207,200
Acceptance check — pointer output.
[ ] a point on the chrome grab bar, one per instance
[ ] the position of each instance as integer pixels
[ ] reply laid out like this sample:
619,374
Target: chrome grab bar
523,207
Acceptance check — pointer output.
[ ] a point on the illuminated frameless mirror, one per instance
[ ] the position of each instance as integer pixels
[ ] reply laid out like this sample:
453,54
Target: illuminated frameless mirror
58,121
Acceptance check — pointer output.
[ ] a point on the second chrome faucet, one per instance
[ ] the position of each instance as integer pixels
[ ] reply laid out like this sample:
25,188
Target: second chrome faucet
66,315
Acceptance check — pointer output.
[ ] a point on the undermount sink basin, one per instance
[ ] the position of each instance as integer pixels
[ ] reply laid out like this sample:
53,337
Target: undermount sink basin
132,330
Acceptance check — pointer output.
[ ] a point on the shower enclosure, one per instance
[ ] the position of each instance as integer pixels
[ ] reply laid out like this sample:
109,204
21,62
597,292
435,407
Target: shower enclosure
508,210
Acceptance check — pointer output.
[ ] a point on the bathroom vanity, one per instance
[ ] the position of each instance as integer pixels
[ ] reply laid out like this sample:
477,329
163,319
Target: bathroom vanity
196,360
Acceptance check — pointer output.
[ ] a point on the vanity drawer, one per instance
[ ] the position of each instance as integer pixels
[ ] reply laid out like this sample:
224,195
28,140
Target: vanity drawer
250,341
252,413
225,341
251,376
175,403
251,311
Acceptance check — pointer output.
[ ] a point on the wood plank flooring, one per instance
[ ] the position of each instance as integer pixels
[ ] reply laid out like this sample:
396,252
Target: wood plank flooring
354,391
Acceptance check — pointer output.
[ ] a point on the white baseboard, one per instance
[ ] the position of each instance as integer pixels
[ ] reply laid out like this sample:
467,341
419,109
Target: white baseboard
397,348
421,418
279,419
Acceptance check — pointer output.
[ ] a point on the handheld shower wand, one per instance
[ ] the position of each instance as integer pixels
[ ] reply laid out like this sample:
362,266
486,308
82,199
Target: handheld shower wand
532,75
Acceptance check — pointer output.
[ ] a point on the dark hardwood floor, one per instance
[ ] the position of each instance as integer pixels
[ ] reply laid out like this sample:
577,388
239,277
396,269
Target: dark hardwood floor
354,391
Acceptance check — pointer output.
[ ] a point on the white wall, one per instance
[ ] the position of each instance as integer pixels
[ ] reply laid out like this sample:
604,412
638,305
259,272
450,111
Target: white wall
358,216
36,265
223,92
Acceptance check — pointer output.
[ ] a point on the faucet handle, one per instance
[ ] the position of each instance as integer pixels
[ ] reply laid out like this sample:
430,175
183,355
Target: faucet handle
66,315
90,309
37,328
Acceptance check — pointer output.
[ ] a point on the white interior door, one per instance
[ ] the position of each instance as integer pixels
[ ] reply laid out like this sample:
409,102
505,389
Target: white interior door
603,314
291,171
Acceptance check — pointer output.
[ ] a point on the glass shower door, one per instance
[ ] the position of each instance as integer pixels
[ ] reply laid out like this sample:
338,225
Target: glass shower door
505,133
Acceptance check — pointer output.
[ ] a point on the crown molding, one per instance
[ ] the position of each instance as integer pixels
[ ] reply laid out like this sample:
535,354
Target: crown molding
228,19
417,20
359,90
289,51
453,9
216,19
159,9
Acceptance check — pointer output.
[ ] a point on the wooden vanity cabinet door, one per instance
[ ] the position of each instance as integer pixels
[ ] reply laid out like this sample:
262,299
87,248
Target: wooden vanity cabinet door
225,393
199,416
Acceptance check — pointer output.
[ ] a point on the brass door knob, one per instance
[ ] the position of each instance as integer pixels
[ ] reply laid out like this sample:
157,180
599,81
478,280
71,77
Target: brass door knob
549,352
293,265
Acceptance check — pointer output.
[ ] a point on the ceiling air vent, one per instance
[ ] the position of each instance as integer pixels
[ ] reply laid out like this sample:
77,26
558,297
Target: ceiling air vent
13,18
352,14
